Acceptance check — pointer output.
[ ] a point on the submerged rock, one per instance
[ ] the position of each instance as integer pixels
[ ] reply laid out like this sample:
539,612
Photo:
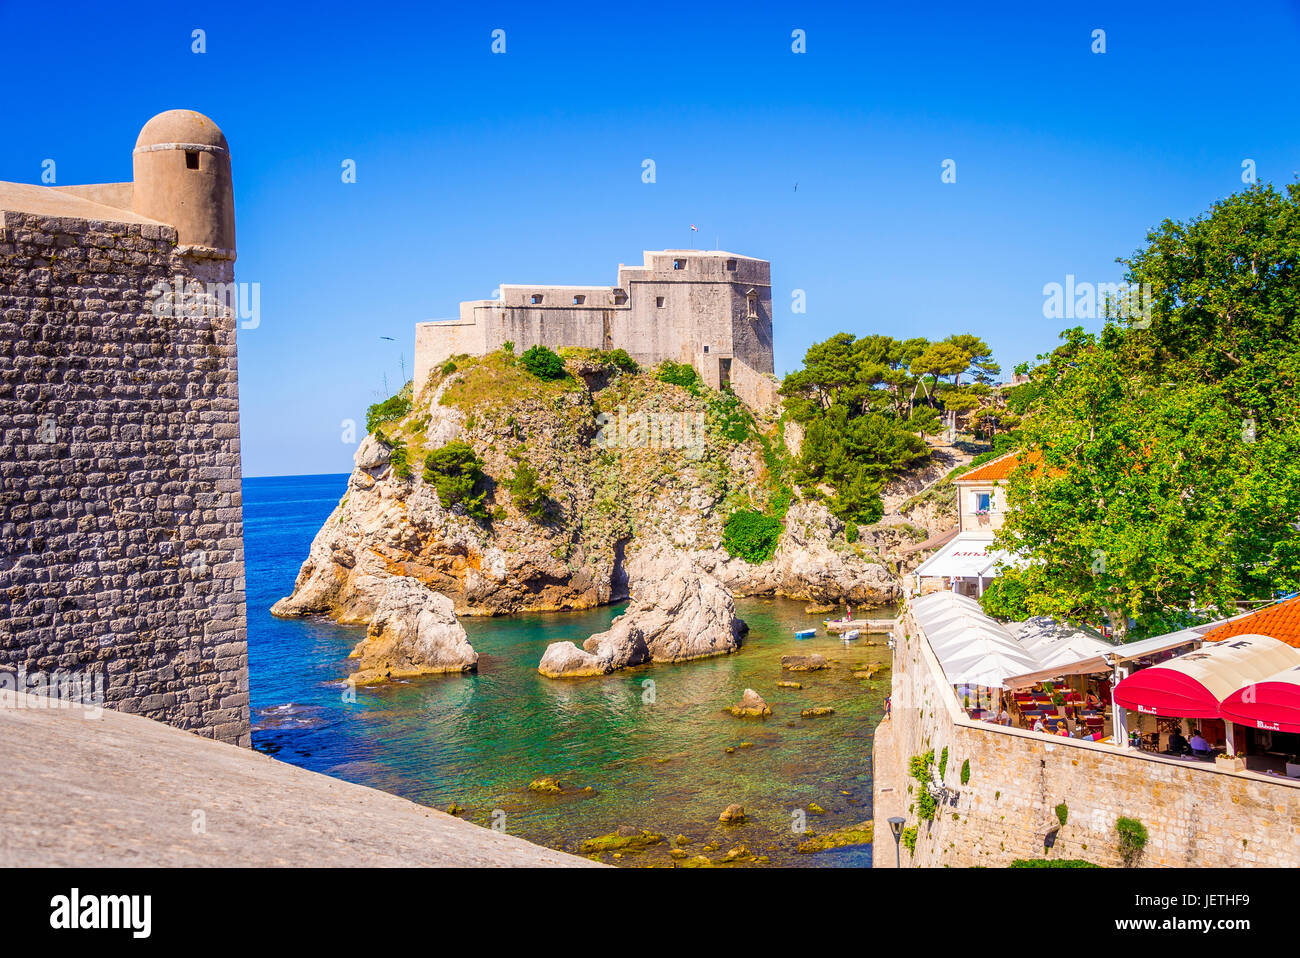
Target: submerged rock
804,663
751,705
853,835
677,613
624,840
732,815
414,632
817,711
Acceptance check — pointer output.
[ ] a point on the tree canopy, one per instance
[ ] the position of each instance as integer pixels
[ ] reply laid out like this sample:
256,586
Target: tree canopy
1163,466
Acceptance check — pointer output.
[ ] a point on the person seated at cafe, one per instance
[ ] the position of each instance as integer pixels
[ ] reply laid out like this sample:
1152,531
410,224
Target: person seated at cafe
1038,724
1064,730
1200,747
1092,700
1004,717
1177,744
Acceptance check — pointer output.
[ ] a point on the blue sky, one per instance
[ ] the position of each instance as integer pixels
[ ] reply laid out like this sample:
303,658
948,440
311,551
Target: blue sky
476,168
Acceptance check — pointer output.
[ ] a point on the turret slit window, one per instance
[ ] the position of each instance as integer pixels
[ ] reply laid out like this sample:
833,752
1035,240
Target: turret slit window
751,300
537,299
579,300
191,159
659,302
679,264
731,266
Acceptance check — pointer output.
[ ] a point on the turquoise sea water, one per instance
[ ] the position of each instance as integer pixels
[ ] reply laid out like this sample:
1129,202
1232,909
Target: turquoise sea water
654,756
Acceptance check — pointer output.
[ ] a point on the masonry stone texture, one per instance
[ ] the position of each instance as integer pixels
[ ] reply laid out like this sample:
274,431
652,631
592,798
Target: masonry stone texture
121,529
1195,815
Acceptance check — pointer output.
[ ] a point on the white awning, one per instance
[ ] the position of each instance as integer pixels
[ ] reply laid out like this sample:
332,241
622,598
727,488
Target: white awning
965,557
1104,660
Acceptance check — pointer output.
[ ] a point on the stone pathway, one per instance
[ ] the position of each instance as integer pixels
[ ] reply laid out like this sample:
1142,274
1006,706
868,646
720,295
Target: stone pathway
887,796
118,789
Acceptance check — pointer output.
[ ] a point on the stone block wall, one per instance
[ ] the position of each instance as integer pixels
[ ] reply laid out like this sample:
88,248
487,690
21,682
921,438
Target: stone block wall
1196,815
121,530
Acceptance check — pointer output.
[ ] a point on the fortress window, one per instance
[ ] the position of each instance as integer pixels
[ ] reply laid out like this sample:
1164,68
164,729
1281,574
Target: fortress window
679,264
579,300
659,301
537,299
191,159
752,300
731,266
706,350
620,297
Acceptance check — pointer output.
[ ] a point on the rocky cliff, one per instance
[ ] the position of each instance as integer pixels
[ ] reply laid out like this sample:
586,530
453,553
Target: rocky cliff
624,464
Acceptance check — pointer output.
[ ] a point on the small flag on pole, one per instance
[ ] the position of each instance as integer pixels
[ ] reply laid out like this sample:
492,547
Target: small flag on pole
693,229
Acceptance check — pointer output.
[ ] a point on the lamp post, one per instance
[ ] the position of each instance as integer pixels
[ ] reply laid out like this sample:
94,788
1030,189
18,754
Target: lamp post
896,826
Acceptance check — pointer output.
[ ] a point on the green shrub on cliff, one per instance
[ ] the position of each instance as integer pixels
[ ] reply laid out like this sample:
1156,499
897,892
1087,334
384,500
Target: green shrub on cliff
455,472
391,409
543,363
679,374
751,536
532,497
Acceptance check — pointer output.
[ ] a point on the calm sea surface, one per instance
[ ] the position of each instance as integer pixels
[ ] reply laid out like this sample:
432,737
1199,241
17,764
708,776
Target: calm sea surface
654,755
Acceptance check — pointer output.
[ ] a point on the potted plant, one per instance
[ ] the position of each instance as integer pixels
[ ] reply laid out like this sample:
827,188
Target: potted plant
1231,763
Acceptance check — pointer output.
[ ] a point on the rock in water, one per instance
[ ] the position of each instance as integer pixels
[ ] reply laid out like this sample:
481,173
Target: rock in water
732,815
677,613
804,663
414,632
751,706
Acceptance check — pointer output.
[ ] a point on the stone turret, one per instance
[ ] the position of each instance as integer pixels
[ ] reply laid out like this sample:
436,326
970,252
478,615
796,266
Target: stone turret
182,177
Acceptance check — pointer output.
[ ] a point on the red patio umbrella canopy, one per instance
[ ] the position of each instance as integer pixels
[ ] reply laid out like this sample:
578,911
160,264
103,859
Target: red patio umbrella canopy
1165,692
1274,706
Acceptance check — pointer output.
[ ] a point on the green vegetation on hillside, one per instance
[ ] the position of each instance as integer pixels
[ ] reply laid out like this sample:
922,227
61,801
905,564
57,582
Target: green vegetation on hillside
1166,448
751,535
867,403
393,408
543,363
455,472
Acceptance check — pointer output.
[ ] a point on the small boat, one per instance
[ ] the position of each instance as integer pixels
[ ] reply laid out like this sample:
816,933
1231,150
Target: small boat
851,634
805,633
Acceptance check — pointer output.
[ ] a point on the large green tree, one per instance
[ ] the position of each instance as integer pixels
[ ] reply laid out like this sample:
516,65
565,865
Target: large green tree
1163,466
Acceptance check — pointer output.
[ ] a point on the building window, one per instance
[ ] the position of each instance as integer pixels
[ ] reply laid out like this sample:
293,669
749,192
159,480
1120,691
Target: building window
679,264
731,266
620,297
983,503
659,302
537,299
752,301
191,159
579,300
706,350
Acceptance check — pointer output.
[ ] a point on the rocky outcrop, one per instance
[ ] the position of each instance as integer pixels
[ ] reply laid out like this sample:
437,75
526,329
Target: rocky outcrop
812,562
677,613
413,632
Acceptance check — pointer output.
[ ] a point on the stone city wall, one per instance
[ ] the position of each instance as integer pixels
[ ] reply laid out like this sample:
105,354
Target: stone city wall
121,530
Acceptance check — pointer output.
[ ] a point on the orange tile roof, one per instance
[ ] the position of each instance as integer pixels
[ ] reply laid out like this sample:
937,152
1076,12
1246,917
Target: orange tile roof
999,468
1280,621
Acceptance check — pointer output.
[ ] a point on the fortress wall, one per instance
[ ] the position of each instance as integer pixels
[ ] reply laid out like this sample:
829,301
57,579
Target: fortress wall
1196,816
121,549
528,326
436,342
757,389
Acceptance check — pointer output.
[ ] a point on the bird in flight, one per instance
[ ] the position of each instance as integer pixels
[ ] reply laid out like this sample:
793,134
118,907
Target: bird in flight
389,338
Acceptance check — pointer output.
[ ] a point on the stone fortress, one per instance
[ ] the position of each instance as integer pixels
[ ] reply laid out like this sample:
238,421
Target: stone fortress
121,523
709,308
